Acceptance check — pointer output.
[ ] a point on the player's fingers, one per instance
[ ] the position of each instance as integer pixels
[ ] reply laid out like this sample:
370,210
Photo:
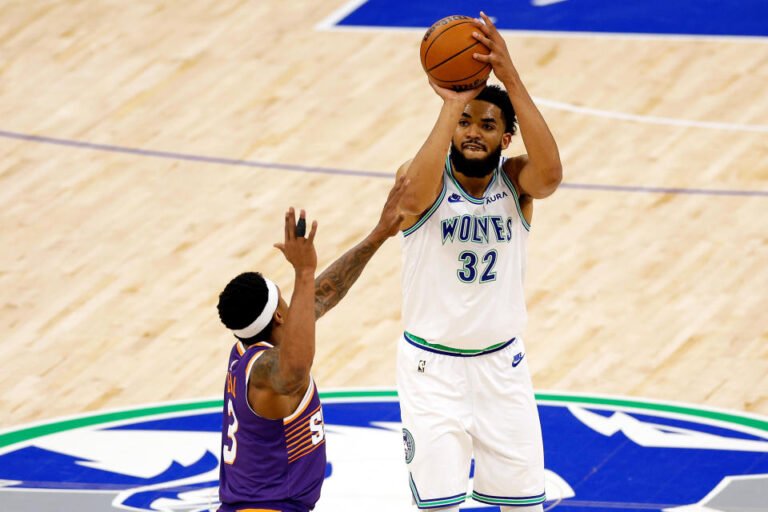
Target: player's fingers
286,226
290,225
436,87
480,37
478,23
482,58
311,238
399,189
488,21
281,247
301,225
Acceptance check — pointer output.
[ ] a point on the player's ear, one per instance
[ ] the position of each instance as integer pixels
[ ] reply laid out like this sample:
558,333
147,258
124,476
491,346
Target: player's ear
280,311
505,140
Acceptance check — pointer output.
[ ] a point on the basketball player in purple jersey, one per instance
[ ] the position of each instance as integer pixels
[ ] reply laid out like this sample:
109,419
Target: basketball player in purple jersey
273,440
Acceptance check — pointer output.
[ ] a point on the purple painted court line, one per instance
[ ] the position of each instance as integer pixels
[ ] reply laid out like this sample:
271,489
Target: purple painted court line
171,155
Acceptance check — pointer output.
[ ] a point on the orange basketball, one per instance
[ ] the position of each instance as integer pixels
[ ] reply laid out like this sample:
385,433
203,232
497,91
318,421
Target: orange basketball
446,54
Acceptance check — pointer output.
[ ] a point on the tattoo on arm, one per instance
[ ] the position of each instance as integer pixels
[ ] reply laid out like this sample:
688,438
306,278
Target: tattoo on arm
335,281
265,373
263,369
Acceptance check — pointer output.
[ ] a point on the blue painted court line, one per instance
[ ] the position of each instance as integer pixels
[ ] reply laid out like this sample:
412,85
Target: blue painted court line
740,18
189,157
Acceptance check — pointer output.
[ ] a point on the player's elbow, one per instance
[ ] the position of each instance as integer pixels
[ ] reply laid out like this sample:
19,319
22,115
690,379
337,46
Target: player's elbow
549,179
416,201
553,175
412,200
412,204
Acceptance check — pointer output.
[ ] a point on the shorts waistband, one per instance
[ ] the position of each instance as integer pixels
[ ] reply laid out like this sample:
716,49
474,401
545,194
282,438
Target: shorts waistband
456,352
263,506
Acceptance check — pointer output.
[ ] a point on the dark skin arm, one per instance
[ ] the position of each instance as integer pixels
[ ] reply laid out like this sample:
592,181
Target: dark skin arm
538,173
335,281
425,170
280,377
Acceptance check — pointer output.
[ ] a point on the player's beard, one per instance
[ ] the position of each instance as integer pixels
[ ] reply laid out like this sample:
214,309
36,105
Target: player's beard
475,167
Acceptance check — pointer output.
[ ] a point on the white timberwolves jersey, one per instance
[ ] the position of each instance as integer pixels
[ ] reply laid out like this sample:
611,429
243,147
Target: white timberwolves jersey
463,267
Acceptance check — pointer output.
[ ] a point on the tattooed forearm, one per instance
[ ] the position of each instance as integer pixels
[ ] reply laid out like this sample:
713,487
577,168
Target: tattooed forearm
335,281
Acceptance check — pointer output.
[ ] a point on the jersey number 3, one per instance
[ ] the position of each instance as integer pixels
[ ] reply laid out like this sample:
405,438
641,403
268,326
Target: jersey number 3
468,272
229,453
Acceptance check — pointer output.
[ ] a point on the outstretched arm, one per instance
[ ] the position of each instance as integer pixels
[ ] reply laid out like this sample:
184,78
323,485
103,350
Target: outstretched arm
426,168
290,372
541,173
334,283
279,376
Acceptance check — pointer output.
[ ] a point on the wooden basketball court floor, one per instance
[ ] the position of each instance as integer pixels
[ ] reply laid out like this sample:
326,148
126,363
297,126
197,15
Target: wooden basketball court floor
150,149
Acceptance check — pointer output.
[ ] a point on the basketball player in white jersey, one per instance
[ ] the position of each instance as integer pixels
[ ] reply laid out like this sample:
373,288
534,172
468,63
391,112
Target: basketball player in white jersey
464,385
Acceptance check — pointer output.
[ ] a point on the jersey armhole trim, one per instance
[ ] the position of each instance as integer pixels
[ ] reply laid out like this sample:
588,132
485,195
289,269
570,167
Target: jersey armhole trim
429,213
512,189
248,379
303,404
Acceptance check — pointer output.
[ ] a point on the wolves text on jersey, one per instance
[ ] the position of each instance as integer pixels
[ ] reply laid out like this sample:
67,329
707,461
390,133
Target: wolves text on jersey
480,230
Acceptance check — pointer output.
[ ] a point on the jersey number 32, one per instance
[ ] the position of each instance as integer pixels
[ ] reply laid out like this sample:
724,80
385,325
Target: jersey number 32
470,261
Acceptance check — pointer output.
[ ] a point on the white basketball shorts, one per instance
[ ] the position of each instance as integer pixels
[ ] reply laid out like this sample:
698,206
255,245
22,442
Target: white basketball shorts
456,405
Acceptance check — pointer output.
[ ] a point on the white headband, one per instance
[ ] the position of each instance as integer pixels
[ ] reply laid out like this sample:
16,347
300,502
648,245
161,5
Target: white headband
264,318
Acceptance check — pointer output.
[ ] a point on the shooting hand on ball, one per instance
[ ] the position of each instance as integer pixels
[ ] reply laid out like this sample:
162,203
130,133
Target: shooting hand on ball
499,58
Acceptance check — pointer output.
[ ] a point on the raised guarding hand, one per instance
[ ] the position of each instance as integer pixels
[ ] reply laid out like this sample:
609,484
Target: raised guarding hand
299,251
391,216
499,58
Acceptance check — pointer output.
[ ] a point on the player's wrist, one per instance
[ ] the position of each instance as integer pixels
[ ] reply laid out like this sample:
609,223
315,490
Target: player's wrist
451,113
511,81
305,273
454,103
377,236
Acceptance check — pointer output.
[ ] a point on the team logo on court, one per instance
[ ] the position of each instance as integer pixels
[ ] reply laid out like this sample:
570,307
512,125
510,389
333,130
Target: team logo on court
649,456
410,446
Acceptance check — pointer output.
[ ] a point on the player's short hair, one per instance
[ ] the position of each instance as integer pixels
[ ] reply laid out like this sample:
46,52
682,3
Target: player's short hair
499,97
242,301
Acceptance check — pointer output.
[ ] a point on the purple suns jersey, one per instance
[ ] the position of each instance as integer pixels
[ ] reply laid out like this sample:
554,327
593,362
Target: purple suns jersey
268,464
